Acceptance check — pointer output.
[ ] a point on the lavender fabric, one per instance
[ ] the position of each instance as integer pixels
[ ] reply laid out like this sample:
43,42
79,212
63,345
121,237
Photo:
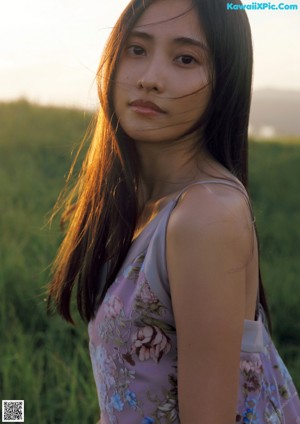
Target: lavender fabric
134,351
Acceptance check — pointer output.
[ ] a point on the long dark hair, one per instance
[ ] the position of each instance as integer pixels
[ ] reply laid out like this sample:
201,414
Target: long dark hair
102,208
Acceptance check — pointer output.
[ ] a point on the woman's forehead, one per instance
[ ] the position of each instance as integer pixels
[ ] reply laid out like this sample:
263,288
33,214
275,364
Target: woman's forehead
171,16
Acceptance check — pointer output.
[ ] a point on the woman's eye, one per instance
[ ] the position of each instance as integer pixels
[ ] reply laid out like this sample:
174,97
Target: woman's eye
186,59
136,50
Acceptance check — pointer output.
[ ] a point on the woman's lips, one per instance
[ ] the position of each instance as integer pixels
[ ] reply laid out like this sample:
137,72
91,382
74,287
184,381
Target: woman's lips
146,108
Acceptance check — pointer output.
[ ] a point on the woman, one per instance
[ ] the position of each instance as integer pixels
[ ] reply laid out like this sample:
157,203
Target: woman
161,242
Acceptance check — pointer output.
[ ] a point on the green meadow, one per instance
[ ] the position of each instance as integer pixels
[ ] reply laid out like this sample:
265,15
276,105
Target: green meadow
46,361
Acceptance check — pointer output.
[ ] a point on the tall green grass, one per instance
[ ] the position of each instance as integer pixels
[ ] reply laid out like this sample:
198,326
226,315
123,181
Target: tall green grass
45,361
274,184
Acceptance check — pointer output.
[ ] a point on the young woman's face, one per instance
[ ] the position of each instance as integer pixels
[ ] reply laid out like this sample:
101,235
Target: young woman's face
162,81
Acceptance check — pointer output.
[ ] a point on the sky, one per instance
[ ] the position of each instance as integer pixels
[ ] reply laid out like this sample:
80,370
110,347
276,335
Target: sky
50,49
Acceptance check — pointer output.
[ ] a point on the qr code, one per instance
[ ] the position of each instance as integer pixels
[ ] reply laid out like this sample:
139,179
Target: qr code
13,411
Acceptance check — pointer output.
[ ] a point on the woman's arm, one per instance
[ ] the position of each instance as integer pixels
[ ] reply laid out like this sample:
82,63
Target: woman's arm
209,244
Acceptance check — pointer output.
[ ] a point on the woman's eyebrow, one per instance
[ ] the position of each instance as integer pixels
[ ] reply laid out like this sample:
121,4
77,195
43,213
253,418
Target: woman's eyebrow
141,34
177,40
191,41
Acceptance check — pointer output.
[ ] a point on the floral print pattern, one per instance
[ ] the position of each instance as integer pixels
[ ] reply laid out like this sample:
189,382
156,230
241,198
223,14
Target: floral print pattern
112,307
134,356
126,335
264,396
150,342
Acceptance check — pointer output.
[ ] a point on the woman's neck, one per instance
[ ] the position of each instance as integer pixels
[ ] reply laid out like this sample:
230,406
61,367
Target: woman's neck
166,169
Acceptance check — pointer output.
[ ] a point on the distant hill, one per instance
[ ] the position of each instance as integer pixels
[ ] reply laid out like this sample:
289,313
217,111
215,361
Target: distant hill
275,112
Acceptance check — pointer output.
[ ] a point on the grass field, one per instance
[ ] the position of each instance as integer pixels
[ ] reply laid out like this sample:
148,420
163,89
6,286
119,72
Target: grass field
45,361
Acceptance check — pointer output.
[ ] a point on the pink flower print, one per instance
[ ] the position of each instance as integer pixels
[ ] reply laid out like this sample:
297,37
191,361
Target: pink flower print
254,365
150,342
112,307
147,296
251,369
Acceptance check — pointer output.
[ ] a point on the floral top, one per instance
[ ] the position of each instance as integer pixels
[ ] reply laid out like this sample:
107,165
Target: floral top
134,352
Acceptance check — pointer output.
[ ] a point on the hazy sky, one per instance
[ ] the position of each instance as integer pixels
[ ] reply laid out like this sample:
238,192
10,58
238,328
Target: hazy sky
50,49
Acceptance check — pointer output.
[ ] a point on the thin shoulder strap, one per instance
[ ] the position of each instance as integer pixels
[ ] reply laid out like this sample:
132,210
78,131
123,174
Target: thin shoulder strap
230,183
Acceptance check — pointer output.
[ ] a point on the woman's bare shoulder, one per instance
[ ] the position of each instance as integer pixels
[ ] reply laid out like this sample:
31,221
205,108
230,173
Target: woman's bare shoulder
211,217
204,204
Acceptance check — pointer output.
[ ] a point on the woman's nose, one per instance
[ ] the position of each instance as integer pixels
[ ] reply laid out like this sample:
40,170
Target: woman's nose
152,79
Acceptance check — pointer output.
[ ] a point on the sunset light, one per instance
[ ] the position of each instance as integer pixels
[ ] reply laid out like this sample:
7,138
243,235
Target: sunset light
50,49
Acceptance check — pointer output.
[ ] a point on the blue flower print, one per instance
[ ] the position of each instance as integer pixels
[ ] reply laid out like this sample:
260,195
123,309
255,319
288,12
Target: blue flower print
131,398
148,420
249,416
117,402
